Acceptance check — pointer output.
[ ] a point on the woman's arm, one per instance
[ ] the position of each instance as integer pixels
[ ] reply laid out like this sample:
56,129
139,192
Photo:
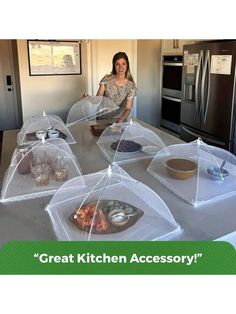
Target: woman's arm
101,90
127,110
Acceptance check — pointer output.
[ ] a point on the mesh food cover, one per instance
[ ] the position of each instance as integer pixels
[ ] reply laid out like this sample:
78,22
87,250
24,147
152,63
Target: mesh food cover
38,169
231,238
109,205
123,142
196,172
49,126
90,108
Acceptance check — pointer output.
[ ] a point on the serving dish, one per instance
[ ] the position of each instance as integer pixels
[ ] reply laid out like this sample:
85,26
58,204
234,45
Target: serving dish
102,217
97,129
41,134
53,134
217,173
150,149
126,146
181,168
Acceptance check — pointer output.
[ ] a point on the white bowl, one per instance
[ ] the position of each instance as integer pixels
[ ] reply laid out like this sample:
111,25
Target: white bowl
117,220
41,134
150,149
53,134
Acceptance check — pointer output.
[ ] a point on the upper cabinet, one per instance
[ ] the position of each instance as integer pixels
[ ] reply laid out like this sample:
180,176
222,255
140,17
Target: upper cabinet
174,46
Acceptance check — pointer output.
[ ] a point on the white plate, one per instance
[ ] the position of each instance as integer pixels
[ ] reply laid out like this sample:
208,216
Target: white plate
150,149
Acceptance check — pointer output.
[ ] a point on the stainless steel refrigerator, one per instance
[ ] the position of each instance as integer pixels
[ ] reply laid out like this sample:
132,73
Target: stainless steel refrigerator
208,94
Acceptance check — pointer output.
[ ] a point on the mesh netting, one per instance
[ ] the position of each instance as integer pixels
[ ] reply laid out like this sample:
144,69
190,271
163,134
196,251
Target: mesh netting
109,205
231,238
129,141
197,172
39,169
90,108
51,126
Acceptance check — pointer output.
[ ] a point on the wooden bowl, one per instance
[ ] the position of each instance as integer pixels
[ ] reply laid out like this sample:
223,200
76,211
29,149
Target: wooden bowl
181,168
97,129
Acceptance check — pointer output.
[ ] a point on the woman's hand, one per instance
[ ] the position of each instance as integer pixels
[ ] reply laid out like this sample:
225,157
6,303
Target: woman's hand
119,120
84,95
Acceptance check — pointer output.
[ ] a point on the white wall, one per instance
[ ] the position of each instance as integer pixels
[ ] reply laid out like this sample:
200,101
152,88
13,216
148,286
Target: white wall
101,54
54,94
149,81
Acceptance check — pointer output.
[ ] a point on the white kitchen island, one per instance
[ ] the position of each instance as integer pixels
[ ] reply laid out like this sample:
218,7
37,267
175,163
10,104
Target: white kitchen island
28,220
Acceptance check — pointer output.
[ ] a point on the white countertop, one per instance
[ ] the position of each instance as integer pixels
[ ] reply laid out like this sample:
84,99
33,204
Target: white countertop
28,220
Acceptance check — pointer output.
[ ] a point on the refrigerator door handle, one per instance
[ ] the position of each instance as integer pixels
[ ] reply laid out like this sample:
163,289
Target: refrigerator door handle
208,86
203,86
198,107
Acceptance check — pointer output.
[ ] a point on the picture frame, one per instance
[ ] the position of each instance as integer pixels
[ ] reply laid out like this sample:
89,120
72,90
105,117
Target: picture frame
54,57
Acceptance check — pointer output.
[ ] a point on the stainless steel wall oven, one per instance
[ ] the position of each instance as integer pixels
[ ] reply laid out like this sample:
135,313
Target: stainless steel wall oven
171,92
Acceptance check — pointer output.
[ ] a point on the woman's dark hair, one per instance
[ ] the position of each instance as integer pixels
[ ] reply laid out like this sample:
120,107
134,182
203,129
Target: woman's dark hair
121,55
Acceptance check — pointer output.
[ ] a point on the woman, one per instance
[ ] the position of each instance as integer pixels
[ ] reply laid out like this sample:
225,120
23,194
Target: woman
119,87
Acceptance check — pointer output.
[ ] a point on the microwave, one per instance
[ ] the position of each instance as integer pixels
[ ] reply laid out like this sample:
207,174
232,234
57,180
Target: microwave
172,76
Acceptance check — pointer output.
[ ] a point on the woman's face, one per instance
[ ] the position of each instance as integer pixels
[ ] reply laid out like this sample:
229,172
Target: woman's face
121,66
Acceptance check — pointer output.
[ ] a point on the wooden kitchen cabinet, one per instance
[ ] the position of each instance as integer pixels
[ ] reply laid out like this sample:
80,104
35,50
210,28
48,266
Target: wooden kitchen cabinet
174,46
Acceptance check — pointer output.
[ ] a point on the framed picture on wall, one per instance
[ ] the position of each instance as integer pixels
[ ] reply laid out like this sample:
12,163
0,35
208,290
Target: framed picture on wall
54,57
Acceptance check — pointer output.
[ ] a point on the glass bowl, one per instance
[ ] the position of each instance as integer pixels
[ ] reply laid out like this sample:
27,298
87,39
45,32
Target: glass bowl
216,173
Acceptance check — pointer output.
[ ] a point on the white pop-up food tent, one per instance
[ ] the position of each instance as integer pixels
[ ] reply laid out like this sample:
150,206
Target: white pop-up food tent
43,122
130,141
39,169
109,205
231,238
197,172
90,108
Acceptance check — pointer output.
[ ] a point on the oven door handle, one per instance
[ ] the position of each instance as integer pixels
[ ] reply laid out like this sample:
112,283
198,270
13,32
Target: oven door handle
179,64
172,98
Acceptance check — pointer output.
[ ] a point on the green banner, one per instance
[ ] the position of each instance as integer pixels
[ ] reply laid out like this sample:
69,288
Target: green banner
127,258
